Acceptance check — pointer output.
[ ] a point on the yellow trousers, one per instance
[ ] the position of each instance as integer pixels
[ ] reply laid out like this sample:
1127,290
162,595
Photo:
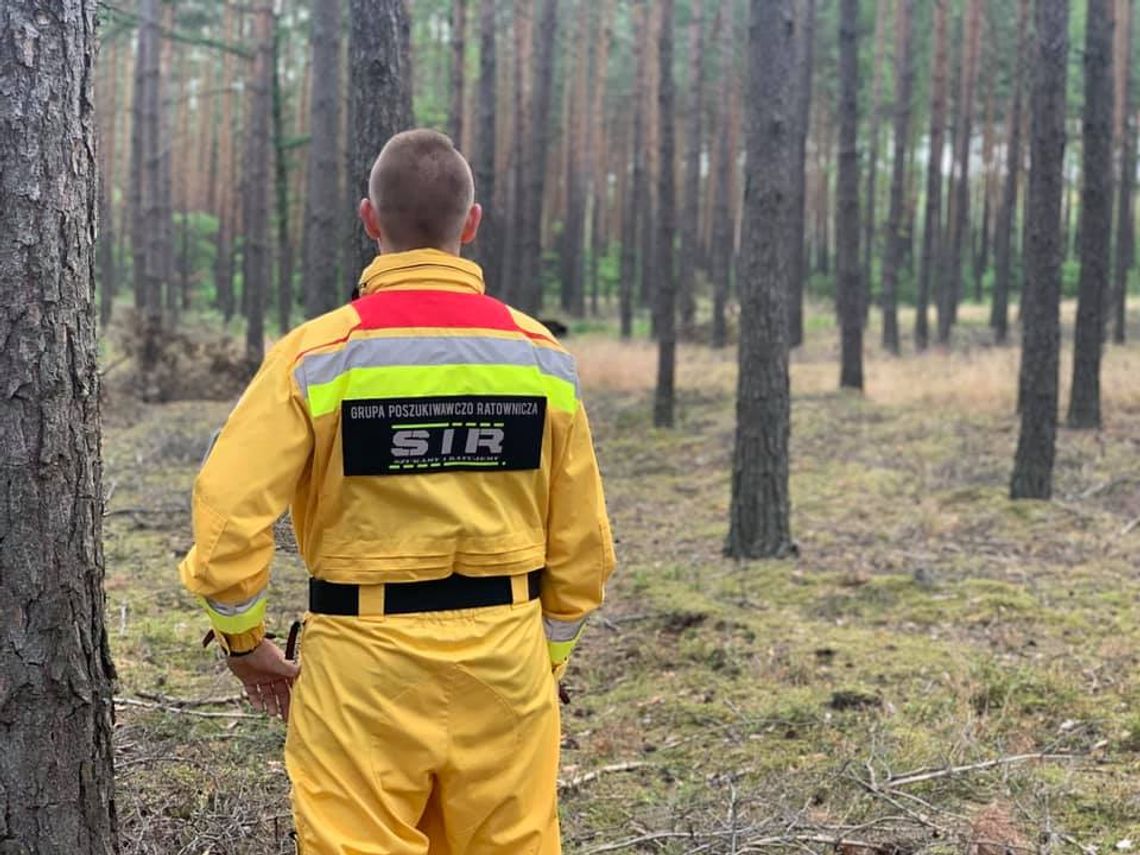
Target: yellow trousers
425,734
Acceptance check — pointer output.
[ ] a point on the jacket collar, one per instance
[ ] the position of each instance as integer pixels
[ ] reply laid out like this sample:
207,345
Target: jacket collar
421,268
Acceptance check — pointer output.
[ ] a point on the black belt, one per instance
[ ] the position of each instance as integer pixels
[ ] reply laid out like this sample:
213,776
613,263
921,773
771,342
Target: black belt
435,595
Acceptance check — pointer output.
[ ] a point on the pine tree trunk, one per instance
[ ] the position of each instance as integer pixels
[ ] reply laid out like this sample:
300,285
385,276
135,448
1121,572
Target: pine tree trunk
597,160
322,206
223,249
759,515
152,208
805,51
137,177
882,13
257,260
931,243
686,278
1003,233
56,769
950,290
904,81
1125,226
380,102
458,69
982,252
1033,465
648,204
488,246
281,187
721,250
1096,217
512,285
849,291
573,268
665,302
108,136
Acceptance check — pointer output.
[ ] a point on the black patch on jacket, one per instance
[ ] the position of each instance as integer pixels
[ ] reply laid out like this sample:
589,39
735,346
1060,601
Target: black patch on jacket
459,433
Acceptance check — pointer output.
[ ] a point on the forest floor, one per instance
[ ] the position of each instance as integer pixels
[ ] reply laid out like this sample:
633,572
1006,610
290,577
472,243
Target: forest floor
940,670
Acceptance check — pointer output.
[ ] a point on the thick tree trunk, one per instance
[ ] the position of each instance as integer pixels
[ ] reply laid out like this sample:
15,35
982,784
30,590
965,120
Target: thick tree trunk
380,102
849,290
686,278
56,771
1125,225
458,69
1003,236
805,50
1096,217
1033,465
322,200
573,266
904,80
665,302
257,260
932,229
488,246
281,189
639,194
950,290
721,262
534,171
759,515
882,13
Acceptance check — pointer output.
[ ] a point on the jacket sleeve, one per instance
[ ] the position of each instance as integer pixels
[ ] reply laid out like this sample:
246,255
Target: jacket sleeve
245,484
579,546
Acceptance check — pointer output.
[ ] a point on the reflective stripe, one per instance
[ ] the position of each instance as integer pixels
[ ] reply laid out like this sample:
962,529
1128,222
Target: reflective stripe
414,381
234,619
561,637
321,368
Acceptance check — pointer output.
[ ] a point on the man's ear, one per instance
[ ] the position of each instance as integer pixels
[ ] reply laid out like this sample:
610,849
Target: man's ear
471,224
369,217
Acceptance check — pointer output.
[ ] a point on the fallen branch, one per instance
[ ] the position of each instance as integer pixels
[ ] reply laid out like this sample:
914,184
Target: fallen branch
131,702
132,511
949,771
191,703
1130,525
580,780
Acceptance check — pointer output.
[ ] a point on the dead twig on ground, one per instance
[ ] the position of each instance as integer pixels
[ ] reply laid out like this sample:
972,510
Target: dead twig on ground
131,702
191,703
580,780
949,771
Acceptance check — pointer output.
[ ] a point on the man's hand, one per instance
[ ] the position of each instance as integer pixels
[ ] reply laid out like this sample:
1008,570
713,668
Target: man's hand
267,677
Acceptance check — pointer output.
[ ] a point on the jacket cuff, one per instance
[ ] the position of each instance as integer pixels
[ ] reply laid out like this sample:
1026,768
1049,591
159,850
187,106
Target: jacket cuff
242,642
561,637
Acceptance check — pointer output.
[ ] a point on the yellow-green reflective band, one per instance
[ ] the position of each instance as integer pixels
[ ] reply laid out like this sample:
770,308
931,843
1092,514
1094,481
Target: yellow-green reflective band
239,622
560,650
411,381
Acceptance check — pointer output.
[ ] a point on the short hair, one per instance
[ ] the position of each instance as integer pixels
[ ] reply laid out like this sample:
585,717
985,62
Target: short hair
422,189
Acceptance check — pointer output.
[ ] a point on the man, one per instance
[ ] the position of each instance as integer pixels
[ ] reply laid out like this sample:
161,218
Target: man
433,448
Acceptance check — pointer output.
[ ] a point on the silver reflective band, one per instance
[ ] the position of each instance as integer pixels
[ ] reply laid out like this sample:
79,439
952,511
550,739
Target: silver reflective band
433,350
228,610
562,630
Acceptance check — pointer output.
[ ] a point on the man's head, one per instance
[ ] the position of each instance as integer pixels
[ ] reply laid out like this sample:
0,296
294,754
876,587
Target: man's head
421,195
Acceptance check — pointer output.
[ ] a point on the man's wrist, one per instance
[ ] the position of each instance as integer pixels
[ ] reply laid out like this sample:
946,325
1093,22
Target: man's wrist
242,643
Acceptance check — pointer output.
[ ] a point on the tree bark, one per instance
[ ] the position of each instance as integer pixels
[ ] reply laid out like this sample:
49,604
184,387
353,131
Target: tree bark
257,261
512,286
488,246
904,80
982,249
534,172
1003,237
849,291
281,187
805,50
686,279
223,258
458,69
882,13
647,205
380,102
931,243
1125,225
153,258
1096,217
1033,465
950,290
573,266
721,262
760,506
665,301
322,200
597,166
56,714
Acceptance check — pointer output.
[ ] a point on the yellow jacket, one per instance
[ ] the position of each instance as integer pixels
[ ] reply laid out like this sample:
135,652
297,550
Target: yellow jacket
422,430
